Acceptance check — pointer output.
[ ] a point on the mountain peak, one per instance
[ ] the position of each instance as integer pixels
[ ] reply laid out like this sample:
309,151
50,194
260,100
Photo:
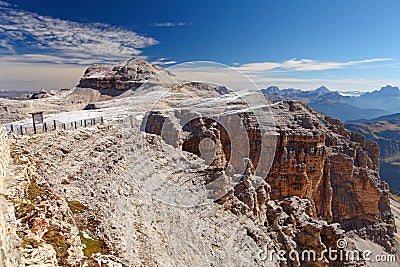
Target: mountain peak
271,90
388,89
125,75
322,89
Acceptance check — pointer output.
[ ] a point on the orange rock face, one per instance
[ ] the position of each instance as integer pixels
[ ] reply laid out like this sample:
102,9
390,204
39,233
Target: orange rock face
315,158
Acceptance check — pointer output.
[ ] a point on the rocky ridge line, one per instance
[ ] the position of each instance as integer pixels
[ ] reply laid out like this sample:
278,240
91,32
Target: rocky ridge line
123,76
316,159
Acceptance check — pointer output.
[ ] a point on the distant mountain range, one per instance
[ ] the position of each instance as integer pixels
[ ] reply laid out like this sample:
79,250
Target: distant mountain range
16,95
385,130
342,106
375,114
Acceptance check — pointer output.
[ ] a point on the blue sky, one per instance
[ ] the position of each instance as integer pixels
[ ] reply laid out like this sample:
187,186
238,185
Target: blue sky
345,45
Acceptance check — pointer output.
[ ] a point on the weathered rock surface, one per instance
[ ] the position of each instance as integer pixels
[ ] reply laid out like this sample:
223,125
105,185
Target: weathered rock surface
41,94
88,167
42,228
123,76
8,238
316,158
44,221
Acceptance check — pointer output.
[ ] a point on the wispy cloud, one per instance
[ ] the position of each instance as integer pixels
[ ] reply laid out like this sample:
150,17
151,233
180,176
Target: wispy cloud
4,3
50,59
164,61
304,65
169,24
170,62
31,35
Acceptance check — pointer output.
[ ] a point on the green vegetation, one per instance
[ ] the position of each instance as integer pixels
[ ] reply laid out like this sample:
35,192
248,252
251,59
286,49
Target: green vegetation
34,190
76,207
93,246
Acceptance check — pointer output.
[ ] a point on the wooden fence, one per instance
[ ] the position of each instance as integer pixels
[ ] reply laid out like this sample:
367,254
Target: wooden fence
52,126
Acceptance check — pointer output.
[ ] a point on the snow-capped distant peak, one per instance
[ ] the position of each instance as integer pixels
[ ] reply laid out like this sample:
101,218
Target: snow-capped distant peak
350,93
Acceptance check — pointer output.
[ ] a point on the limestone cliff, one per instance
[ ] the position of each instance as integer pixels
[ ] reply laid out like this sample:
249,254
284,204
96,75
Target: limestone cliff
123,76
8,256
316,159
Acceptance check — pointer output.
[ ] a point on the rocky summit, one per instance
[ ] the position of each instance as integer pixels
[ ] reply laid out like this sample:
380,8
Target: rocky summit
123,76
191,176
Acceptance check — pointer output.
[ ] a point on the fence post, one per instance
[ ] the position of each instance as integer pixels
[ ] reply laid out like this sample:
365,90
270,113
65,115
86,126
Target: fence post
94,121
55,125
101,119
12,128
44,127
75,124
84,122
20,127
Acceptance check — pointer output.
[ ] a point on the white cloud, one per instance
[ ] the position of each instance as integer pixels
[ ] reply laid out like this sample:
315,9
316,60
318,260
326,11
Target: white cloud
4,3
304,65
170,62
169,24
7,46
164,61
72,42
41,58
